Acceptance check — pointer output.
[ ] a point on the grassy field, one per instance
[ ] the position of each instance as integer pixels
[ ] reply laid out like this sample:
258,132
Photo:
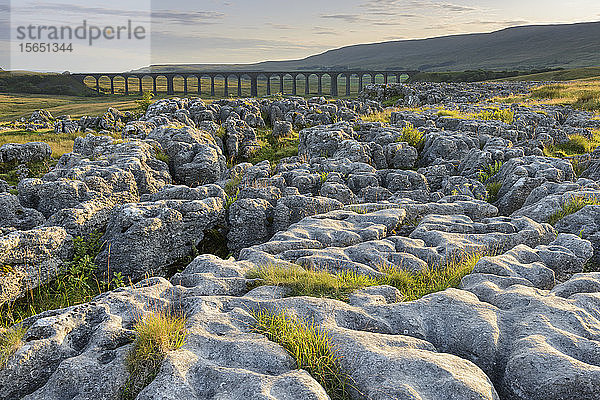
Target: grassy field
13,106
583,94
59,143
562,75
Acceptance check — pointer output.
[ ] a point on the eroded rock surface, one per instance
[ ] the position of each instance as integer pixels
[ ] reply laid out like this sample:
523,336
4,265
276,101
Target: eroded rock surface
360,197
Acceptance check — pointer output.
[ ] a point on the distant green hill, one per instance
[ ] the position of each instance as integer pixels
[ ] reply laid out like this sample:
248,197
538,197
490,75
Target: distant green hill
517,48
38,83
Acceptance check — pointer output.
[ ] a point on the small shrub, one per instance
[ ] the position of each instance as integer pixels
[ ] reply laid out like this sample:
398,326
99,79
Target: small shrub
493,188
10,341
571,206
145,101
309,345
155,336
412,136
490,171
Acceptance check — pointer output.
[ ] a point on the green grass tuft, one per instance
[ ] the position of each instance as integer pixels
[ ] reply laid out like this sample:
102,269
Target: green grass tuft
380,116
155,336
571,206
433,279
8,171
10,341
160,154
309,345
391,102
554,91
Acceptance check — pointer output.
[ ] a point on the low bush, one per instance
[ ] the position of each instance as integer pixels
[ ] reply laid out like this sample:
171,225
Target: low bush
145,101
155,336
309,345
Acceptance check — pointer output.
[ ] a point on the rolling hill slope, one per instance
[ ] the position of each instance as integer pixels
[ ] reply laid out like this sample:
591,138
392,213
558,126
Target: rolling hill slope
517,48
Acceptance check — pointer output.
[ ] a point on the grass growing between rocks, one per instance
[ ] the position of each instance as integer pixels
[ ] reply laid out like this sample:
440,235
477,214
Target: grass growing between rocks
155,336
60,143
576,145
412,285
412,136
571,207
489,172
491,114
76,285
10,174
301,282
493,188
274,149
486,176
433,279
582,94
381,116
309,345
10,341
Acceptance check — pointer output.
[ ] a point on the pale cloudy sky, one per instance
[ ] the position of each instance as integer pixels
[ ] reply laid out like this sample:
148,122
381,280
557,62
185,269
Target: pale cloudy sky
243,31
256,30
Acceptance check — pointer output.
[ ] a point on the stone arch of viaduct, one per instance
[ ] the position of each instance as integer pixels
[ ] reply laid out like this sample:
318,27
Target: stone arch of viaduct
364,76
